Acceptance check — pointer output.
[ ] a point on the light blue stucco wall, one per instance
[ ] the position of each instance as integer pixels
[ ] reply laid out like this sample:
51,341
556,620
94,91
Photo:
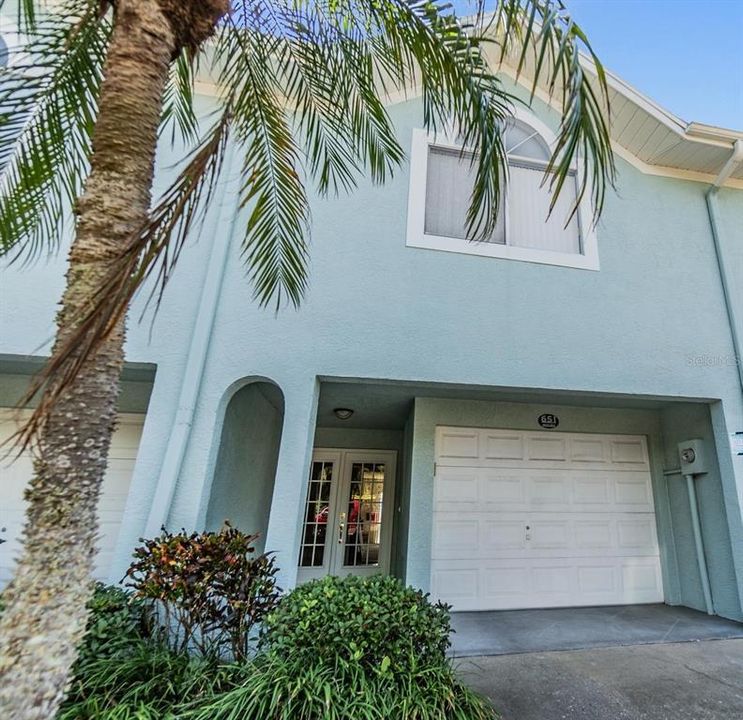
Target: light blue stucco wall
245,469
679,423
378,309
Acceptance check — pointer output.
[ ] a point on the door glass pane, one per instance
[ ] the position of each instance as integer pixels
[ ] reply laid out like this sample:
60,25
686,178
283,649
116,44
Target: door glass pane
317,510
364,515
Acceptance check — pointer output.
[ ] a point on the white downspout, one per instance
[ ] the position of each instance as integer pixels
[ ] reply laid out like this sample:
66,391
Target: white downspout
193,373
733,161
698,543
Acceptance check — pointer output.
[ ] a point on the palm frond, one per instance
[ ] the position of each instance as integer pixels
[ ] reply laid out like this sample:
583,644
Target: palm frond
303,87
275,245
49,104
151,255
547,43
422,44
178,115
26,15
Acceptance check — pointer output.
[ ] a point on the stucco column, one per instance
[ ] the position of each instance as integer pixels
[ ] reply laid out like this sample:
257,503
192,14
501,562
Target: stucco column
292,470
420,524
159,417
726,419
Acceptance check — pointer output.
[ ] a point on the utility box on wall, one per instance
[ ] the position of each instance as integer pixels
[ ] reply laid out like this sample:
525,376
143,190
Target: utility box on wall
692,457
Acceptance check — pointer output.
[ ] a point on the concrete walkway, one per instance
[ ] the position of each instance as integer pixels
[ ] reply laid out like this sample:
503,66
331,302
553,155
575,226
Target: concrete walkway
684,681
520,631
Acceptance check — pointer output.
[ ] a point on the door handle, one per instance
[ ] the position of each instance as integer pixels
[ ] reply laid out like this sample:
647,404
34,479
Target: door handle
341,528
528,533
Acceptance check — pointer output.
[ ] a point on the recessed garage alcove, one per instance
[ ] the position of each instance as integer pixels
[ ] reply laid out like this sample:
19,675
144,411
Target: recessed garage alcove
592,509
245,469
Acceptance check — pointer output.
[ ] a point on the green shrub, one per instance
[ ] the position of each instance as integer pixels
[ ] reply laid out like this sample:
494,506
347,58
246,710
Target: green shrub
375,623
116,620
143,681
274,689
207,590
124,672
350,649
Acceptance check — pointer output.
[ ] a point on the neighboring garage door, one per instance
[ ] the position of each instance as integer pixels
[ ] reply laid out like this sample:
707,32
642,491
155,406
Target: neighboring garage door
543,519
15,475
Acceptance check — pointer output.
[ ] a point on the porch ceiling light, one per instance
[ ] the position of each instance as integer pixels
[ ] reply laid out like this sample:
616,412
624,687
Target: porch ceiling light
343,413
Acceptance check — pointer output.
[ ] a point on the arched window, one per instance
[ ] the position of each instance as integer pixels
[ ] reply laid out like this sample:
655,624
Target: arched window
526,230
523,141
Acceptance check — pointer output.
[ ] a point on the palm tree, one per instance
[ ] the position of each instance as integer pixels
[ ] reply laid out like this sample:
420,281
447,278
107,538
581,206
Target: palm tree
302,85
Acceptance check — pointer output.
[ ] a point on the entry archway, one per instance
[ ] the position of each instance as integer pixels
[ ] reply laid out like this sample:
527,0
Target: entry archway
245,469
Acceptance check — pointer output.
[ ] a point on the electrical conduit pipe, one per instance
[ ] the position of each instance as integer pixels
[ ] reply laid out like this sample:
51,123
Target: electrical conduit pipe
734,321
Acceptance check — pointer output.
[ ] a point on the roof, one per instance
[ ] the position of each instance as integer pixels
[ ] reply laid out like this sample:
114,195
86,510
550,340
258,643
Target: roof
659,138
655,140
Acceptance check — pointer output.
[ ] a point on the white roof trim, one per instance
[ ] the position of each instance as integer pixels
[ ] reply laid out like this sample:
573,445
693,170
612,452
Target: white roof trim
664,171
721,137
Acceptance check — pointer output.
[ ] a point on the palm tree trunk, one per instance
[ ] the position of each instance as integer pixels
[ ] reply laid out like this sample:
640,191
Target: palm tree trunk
45,613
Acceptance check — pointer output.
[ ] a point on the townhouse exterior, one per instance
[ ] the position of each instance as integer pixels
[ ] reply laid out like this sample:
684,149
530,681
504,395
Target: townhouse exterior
497,423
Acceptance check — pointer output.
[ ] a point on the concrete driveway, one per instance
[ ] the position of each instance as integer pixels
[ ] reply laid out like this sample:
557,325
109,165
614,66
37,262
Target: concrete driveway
679,681
504,632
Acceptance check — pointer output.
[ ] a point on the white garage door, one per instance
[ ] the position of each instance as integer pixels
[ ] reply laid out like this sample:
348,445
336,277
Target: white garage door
543,519
14,476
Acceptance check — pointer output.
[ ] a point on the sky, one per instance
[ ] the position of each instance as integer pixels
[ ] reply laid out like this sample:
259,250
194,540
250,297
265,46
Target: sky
686,55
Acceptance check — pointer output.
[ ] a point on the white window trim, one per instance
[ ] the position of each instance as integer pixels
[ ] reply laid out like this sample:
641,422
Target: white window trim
418,238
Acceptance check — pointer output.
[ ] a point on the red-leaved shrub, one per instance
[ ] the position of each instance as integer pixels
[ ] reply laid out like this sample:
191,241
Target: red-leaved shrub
207,591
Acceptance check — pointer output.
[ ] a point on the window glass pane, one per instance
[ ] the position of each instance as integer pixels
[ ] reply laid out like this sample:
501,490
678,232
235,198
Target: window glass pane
364,518
528,208
448,188
312,551
524,141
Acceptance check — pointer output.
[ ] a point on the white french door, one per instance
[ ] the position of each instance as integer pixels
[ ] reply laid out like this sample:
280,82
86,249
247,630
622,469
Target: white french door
347,521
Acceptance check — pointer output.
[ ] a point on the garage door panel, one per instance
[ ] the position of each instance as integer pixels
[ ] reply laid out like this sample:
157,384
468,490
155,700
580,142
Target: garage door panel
629,452
514,448
551,535
503,490
114,493
505,537
598,582
591,489
454,537
594,534
550,490
484,535
457,446
458,585
570,522
550,580
637,533
589,450
513,584
509,582
546,448
559,489
501,447
632,490
641,580
457,485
